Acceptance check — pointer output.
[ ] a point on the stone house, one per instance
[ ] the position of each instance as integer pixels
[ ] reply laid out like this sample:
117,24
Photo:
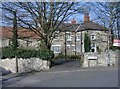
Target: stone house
26,38
70,40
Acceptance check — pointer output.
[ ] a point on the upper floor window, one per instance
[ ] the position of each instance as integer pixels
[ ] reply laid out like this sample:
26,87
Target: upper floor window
56,36
68,37
93,37
78,38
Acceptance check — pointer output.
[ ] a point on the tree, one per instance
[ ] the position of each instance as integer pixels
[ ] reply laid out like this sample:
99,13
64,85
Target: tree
15,35
43,18
108,13
87,42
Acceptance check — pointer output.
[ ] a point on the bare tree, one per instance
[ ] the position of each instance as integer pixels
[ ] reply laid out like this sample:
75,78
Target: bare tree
43,18
108,14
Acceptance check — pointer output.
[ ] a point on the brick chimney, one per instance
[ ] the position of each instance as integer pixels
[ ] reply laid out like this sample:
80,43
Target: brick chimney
73,21
86,17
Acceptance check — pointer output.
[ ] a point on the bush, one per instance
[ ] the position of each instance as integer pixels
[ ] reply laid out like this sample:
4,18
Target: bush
7,53
113,48
45,54
87,43
27,53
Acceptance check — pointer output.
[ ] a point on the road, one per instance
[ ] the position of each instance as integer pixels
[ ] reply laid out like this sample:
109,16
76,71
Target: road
96,77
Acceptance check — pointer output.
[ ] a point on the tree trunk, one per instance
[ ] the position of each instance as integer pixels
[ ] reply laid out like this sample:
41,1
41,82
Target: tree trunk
15,35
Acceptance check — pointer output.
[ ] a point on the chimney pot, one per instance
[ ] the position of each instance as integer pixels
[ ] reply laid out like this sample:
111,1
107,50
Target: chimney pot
86,17
73,21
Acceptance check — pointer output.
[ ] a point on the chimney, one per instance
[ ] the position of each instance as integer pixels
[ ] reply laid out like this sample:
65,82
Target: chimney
86,17
73,21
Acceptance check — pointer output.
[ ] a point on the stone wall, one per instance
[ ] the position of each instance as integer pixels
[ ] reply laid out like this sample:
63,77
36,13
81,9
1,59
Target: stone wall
102,59
25,65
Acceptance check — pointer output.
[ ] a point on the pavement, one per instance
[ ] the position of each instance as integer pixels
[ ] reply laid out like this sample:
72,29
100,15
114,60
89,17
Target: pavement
67,77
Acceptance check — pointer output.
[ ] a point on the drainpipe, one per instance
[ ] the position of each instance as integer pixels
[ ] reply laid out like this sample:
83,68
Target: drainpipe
81,41
75,43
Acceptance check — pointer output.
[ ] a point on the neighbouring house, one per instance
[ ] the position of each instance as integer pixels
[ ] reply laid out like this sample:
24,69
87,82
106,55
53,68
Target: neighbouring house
71,38
26,37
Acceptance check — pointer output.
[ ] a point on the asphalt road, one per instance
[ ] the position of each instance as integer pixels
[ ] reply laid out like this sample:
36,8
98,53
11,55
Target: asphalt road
96,77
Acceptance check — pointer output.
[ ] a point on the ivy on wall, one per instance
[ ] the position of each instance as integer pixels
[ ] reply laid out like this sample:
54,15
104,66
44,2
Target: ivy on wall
87,42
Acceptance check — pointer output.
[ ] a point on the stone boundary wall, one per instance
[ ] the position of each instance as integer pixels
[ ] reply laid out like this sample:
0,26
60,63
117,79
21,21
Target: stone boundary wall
24,65
102,59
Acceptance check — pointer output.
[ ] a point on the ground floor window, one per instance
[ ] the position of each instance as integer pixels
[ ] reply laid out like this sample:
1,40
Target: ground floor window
56,48
93,47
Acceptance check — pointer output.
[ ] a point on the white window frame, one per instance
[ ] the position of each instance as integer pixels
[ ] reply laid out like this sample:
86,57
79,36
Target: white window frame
93,37
94,47
68,37
78,38
78,49
58,47
68,46
73,48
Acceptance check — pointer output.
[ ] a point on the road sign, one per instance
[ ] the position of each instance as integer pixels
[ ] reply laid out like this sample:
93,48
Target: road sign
116,42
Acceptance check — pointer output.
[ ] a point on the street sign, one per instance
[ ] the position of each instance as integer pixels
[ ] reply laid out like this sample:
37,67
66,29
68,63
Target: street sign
116,42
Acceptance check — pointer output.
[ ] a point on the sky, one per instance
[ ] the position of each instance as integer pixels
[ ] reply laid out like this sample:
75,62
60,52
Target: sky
79,17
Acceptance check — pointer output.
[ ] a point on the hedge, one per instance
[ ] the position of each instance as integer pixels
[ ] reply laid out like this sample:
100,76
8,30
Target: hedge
43,54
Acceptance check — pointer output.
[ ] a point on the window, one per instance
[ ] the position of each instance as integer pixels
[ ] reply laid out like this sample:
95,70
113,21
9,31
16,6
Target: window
68,37
56,36
73,48
78,38
78,49
93,47
68,46
56,48
93,37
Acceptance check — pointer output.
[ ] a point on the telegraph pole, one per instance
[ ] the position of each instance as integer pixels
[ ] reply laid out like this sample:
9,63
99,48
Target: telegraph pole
65,45
108,61
75,43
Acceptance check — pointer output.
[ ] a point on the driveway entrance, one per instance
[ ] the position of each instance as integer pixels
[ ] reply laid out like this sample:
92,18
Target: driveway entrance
63,64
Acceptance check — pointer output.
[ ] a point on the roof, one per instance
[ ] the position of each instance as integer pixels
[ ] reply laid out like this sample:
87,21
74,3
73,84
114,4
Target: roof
27,33
91,26
82,27
68,27
22,33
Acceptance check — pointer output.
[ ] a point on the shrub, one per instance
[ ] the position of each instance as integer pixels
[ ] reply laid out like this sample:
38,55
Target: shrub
27,53
45,54
113,48
7,53
87,43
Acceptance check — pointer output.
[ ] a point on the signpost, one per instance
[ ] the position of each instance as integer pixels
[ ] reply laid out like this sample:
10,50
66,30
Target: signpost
116,42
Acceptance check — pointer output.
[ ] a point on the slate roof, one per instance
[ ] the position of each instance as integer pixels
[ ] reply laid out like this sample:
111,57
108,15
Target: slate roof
26,33
91,26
